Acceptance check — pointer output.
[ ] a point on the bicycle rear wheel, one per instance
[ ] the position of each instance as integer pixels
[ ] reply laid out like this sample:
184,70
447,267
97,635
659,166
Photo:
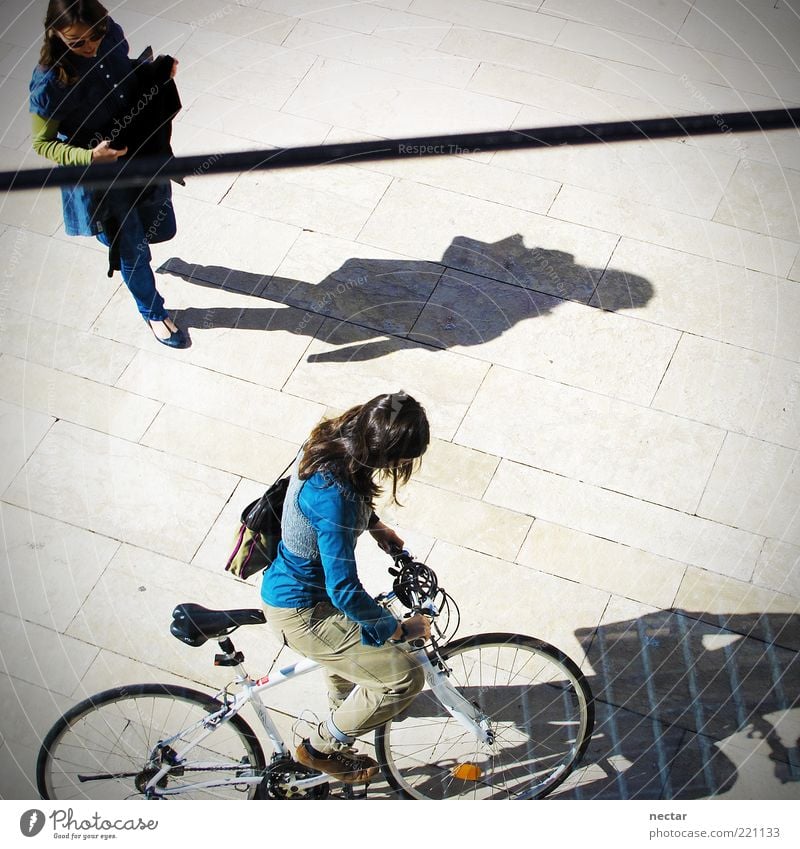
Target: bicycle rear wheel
539,707
103,747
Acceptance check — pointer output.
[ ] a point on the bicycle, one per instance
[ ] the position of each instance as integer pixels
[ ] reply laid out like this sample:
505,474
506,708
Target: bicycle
502,716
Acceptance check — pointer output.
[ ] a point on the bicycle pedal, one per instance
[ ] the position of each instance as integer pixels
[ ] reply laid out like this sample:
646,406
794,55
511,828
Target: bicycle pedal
349,793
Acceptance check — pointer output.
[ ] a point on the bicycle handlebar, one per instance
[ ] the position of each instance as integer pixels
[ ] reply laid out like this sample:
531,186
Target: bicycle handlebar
414,583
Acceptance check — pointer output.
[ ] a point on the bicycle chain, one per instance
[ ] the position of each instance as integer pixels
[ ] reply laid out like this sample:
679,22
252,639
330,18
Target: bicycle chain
284,771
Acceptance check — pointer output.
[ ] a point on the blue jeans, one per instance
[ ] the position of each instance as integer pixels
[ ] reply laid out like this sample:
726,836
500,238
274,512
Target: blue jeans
151,219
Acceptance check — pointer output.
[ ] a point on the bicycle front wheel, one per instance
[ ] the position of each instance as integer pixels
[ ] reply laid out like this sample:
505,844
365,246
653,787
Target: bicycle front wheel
538,707
106,747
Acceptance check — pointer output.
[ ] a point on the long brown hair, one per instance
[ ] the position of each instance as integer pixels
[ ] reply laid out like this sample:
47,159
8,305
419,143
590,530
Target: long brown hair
384,436
60,15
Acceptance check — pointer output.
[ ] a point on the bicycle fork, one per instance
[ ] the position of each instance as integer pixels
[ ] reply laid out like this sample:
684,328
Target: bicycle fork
463,711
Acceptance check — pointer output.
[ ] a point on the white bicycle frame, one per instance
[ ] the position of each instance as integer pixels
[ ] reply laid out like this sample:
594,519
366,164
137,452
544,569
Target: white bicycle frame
437,679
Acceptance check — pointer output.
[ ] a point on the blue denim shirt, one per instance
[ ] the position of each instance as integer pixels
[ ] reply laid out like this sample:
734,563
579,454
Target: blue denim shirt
87,110
293,581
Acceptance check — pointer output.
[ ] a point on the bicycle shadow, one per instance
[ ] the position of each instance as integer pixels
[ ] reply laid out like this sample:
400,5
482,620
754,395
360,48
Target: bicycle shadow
685,709
474,294
689,704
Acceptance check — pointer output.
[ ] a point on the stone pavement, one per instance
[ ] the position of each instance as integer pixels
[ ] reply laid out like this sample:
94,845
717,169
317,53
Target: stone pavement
606,339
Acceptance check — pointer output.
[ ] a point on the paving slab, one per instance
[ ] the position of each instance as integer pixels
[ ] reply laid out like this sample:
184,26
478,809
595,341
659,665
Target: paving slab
653,18
763,198
49,567
455,518
669,229
482,16
75,399
778,567
22,431
606,565
353,96
733,389
744,308
29,711
769,40
666,174
742,74
70,350
73,297
124,490
587,436
640,524
768,504
255,408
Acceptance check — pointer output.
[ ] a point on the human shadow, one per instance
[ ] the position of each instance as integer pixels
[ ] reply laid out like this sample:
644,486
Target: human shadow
688,704
474,294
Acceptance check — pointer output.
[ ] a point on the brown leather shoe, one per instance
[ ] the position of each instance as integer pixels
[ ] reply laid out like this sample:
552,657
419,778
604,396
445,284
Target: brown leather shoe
344,765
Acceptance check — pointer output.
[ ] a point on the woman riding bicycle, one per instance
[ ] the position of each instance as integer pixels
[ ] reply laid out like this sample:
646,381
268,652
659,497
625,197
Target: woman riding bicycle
312,595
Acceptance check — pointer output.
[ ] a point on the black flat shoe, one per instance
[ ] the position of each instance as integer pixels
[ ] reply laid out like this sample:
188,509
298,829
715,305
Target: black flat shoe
176,338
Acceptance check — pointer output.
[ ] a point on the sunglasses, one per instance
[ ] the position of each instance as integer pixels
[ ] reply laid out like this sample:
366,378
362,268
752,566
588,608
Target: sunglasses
98,34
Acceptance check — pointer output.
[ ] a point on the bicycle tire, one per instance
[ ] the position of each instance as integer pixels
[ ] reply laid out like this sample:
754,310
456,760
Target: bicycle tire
109,737
540,708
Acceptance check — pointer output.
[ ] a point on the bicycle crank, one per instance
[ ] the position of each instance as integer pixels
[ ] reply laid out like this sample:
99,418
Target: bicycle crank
287,779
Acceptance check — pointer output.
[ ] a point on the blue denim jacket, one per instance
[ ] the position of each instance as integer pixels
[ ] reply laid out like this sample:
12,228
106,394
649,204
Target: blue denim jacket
293,581
87,110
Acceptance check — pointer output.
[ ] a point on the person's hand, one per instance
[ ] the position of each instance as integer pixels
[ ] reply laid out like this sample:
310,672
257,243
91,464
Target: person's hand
174,69
105,153
387,539
417,627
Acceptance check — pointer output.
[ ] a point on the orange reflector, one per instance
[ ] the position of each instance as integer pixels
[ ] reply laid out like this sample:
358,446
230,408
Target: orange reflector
467,772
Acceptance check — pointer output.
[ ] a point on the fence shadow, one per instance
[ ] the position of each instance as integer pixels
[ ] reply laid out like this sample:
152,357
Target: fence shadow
689,704
473,294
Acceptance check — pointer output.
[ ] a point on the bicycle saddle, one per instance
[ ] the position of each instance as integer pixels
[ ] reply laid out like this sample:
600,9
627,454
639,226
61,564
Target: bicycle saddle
194,624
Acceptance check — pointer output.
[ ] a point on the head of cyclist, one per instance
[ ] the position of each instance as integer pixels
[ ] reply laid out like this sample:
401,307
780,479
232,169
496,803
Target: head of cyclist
380,440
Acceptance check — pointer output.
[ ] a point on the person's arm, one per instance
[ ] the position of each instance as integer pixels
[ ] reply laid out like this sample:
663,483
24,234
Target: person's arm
46,143
387,538
333,518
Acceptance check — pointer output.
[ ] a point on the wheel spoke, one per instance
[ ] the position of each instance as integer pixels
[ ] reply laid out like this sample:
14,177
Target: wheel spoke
108,747
538,707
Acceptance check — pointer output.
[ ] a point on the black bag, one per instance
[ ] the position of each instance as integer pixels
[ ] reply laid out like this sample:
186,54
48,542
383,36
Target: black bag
256,544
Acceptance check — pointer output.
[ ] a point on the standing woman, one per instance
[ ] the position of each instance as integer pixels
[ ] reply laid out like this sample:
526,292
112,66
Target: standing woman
82,88
312,594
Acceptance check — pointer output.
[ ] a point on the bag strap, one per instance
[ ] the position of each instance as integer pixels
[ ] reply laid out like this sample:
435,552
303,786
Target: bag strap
291,463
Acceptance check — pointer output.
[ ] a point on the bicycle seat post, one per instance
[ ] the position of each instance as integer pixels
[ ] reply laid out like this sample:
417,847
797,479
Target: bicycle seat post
230,656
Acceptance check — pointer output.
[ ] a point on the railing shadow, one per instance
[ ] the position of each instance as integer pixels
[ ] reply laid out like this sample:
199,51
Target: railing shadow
689,704
475,293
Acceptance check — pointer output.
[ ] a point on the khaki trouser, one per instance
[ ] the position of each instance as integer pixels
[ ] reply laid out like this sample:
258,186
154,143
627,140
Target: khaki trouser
367,685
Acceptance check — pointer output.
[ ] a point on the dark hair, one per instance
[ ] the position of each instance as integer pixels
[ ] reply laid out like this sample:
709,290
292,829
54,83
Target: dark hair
60,15
385,436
